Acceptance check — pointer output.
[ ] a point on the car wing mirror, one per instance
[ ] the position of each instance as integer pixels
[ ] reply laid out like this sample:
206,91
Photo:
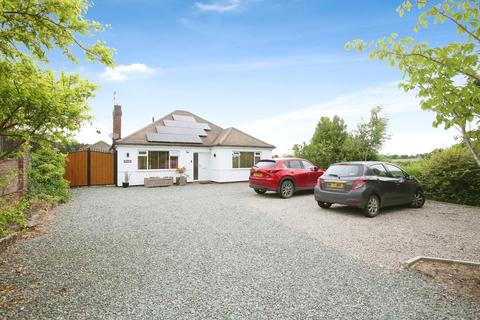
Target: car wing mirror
314,168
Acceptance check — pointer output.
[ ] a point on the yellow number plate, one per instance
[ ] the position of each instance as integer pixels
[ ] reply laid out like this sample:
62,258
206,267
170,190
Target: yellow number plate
257,174
335,185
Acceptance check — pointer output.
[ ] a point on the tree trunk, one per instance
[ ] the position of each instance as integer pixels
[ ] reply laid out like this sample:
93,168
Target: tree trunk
468,142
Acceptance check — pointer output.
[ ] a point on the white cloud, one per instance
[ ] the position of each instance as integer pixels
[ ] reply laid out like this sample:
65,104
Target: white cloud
93,132
297,126
219,6
124,72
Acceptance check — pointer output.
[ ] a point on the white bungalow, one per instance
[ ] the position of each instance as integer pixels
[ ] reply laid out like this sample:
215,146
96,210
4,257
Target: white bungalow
183,139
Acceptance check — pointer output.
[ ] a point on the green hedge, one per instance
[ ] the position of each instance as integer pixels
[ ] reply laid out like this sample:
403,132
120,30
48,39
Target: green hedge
449,175
45,177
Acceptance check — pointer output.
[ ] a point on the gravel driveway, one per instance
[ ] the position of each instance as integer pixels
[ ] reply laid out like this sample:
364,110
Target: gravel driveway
221,251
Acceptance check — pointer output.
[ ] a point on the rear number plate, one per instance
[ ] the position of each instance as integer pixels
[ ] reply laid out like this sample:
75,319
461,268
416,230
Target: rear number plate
335,185
257,174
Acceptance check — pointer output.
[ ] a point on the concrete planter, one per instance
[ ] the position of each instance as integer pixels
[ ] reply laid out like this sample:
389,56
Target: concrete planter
158,182
181,181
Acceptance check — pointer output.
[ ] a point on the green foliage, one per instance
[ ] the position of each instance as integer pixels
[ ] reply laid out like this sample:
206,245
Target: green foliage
39,26
449,175
45,176
326,145
332,143
70,145
415,167
12,214
446,78
370,136
36,106
452,175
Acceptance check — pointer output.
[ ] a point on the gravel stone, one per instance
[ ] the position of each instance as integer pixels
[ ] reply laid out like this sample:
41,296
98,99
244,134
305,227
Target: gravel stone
217,252
397,234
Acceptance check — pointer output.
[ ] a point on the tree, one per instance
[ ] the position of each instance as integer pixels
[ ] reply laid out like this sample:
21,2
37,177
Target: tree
447,78
332,143
40,26
35,105
326,145
366,142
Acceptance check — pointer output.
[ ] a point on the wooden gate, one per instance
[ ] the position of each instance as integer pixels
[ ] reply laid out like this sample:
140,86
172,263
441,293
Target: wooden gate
89,168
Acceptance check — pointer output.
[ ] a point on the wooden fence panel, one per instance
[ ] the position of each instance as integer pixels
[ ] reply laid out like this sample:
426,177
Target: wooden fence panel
101,168
76,169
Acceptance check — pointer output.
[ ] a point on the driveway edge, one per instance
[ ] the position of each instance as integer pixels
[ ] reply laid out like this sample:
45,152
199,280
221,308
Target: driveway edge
411,262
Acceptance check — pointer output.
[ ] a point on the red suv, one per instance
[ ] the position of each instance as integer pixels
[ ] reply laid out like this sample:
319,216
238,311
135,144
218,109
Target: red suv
284,176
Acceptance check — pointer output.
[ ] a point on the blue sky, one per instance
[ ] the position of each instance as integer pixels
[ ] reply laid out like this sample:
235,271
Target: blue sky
270,68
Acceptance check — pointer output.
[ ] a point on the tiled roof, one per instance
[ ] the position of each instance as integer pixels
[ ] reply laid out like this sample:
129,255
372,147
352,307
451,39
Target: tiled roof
216,136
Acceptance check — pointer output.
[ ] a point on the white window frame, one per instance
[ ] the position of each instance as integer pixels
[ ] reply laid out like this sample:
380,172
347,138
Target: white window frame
236,154
144,153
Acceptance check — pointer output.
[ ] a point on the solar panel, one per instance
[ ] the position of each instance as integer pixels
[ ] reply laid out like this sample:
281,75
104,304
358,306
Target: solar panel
165,137
183,118
186,124
179,130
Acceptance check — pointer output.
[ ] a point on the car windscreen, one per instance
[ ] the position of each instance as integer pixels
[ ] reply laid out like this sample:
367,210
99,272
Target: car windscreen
344,170
265,164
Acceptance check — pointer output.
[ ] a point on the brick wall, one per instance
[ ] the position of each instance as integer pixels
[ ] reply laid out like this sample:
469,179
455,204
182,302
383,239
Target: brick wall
15,171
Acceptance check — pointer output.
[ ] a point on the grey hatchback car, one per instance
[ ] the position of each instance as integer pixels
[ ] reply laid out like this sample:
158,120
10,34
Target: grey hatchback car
369,186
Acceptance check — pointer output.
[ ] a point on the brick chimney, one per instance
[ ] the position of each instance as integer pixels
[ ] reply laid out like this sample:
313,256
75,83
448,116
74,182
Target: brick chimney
117,122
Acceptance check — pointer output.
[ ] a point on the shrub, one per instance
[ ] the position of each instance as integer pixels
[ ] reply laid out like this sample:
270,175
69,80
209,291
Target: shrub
415,167
450,175
46,176
12,215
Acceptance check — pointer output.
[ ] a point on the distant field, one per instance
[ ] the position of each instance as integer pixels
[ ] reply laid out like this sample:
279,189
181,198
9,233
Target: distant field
404,162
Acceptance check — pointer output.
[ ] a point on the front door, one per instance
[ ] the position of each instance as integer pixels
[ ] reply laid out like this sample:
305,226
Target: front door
195,166
200,166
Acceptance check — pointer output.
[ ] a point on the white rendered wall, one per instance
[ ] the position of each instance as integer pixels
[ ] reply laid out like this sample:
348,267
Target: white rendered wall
221,164
218,166
129,164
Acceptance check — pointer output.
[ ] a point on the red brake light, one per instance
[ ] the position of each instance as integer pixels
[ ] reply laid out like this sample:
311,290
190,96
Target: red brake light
359,183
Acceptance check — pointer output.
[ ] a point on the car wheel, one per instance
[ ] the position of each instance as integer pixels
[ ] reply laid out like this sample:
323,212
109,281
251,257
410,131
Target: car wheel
260,191
418,199
372,207
287,188
324,205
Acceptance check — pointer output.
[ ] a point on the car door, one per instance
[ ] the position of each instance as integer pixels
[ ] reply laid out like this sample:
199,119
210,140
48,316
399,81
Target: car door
385,185
313,173
403,187
299,174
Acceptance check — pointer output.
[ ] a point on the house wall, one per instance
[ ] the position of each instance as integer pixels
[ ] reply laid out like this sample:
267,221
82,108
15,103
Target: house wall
221,164
128,164
217,165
